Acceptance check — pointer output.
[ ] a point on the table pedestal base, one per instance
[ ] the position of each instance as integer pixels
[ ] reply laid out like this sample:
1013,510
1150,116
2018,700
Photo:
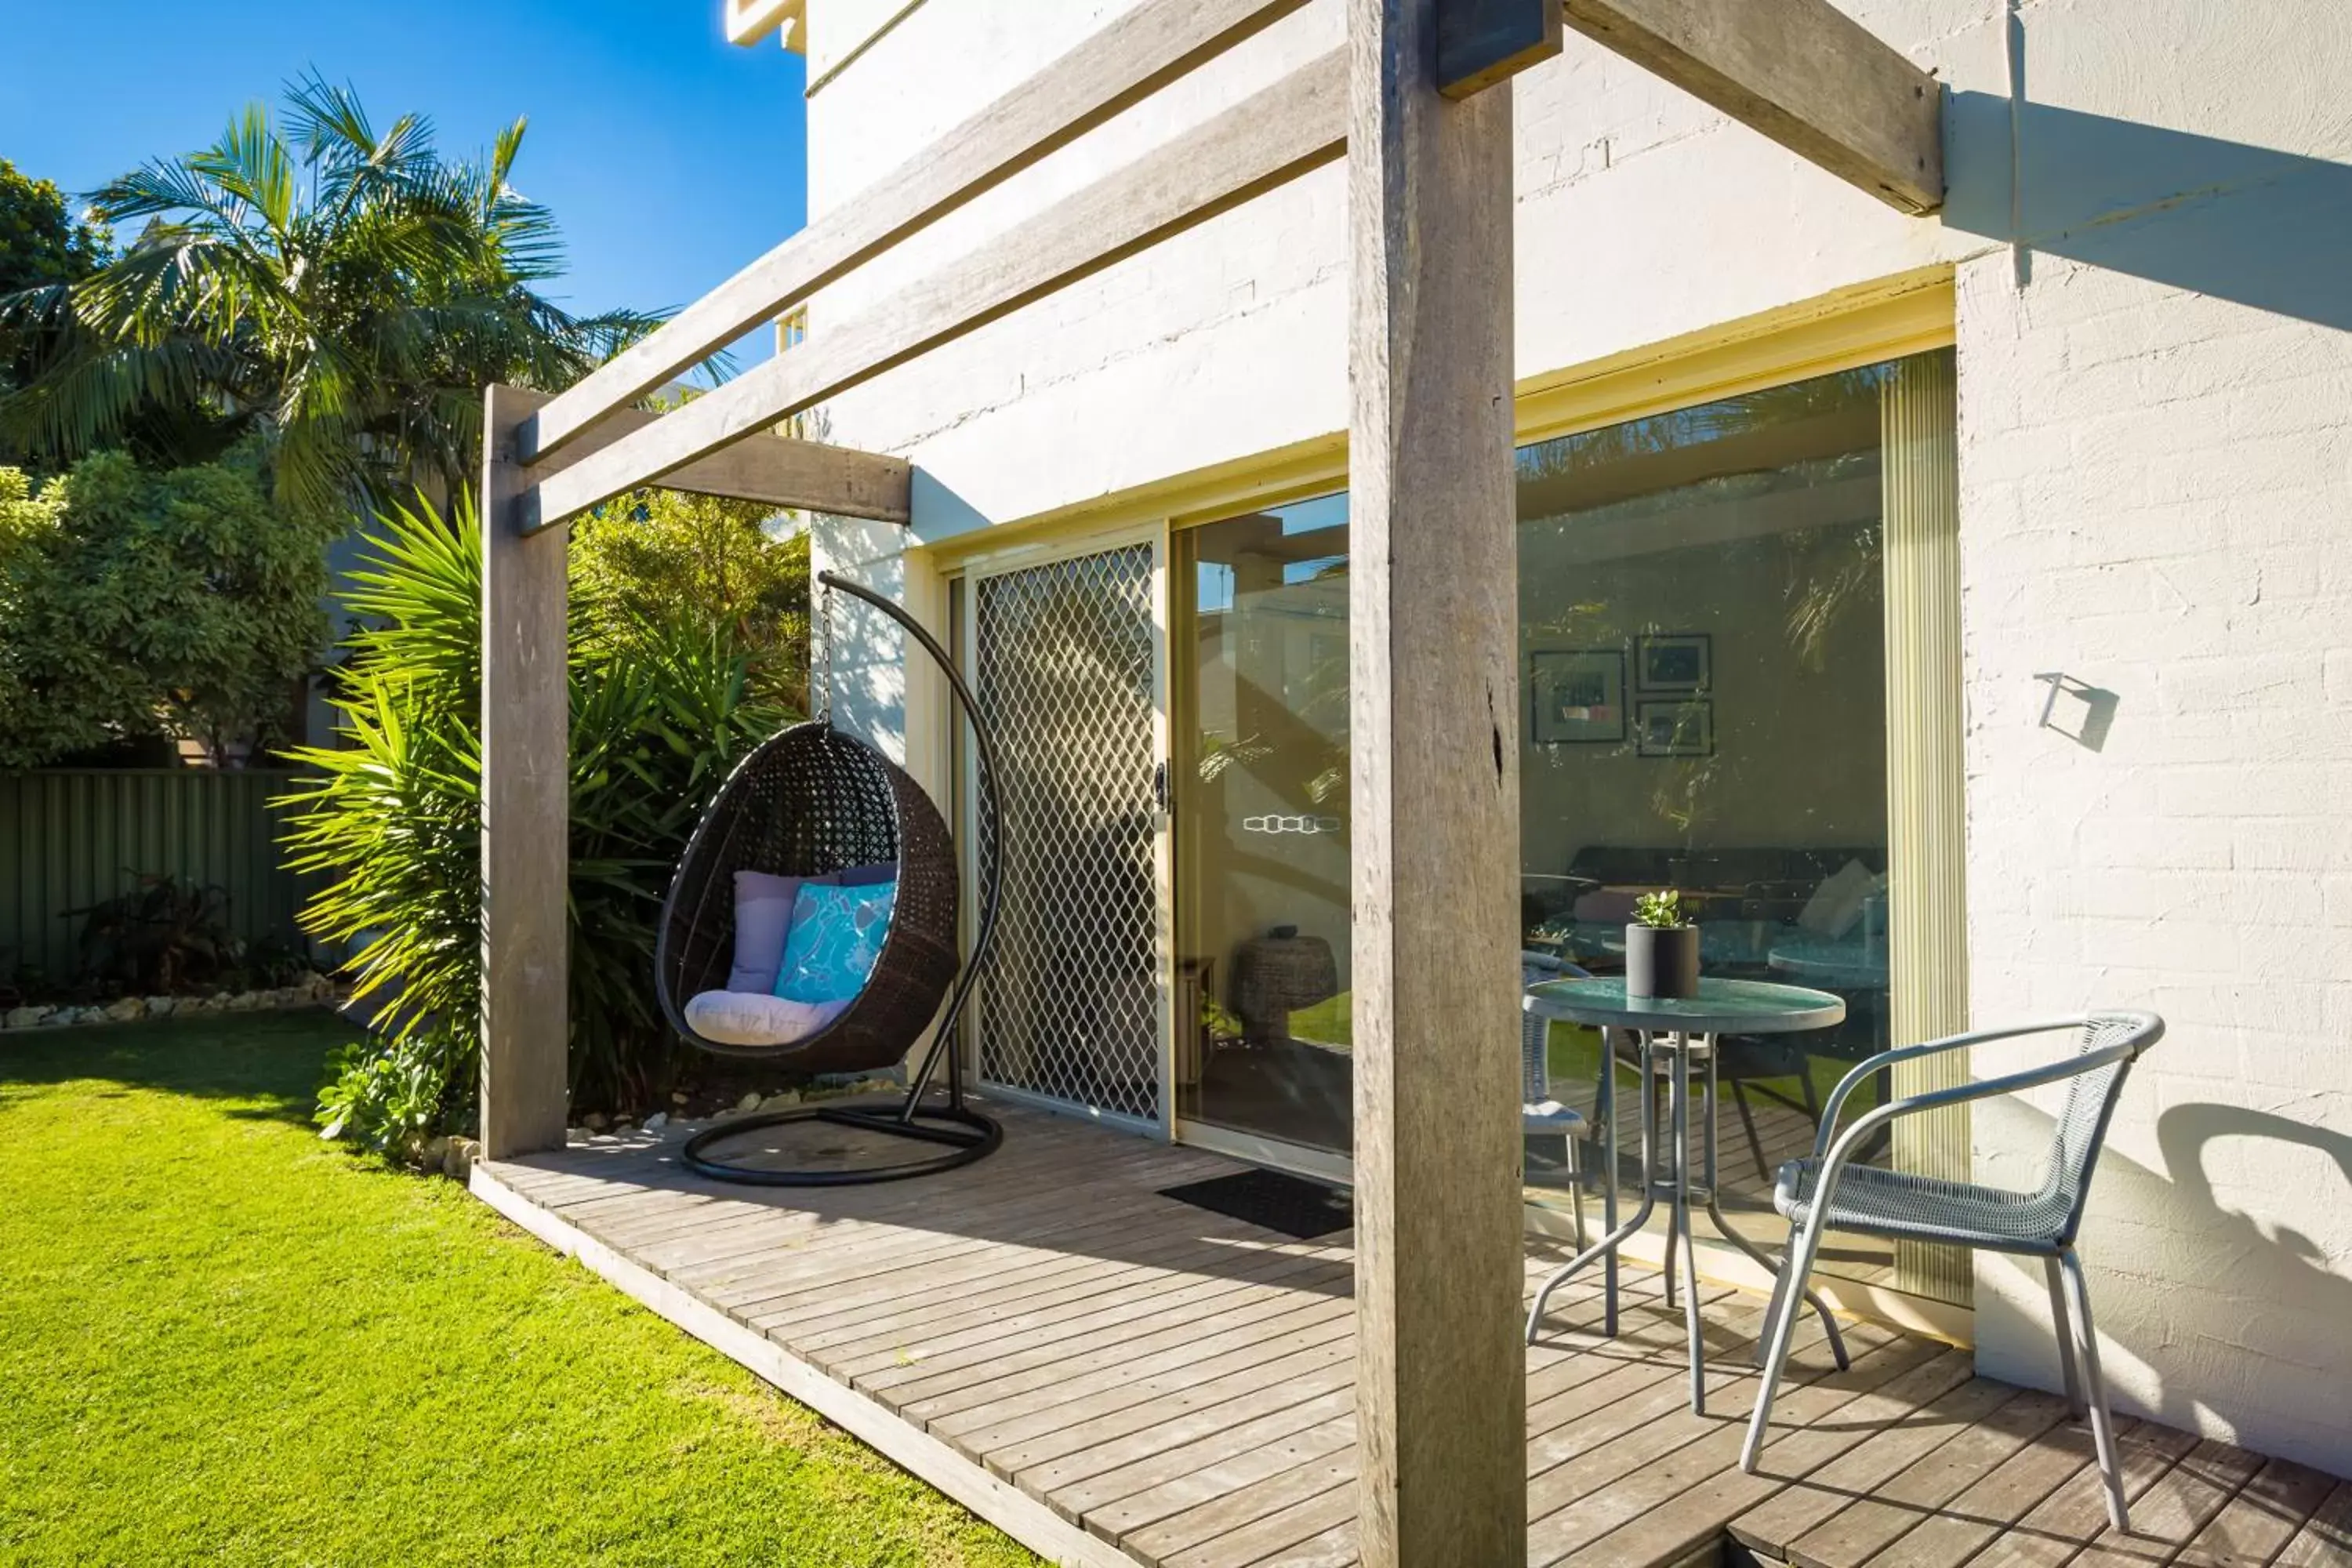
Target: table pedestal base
1675,1054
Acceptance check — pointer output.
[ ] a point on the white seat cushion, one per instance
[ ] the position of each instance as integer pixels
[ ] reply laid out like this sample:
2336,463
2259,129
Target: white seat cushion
749,1018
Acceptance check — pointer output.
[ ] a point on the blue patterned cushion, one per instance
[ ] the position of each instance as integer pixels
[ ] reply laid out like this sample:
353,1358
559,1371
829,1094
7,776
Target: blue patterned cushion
836,935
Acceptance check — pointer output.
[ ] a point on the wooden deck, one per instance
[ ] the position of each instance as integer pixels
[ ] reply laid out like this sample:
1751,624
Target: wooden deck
1116,1377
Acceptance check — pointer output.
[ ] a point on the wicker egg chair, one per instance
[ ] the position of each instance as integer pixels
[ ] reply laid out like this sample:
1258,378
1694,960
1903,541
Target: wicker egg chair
809,801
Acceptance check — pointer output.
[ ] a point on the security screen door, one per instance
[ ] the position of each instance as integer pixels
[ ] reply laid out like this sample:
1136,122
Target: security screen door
1065,656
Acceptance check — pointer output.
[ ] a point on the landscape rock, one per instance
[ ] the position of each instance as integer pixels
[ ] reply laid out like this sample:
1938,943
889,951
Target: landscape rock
783,1102
162,1006
657,1120
125,1010
26,1017
244,1001
749,1102
678,1099
594,1121
458,1162
436,1149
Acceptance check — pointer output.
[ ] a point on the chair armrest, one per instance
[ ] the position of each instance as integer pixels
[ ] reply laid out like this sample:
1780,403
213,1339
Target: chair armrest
1841,1153
1870,1065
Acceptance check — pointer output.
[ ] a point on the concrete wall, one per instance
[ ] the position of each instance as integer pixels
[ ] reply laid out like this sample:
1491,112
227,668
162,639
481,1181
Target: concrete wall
2157,474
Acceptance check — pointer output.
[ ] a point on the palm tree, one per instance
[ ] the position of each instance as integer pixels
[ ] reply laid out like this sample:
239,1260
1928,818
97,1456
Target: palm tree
346,292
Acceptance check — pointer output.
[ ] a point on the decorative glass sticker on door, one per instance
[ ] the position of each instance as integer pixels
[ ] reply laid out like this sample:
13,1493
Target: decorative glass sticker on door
1069,1004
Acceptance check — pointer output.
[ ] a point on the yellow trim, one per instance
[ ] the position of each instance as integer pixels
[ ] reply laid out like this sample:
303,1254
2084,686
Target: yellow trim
749,21
1888,318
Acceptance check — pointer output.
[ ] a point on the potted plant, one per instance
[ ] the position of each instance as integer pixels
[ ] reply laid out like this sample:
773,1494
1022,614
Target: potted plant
1661,947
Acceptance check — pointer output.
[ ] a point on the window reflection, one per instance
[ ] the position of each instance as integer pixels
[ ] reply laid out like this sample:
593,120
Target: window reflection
1703,693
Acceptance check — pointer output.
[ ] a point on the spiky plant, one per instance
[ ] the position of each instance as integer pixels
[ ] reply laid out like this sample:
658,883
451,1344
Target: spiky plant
391,825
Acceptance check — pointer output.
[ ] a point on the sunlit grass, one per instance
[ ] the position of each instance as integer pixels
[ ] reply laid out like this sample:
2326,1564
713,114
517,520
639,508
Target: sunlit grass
222,1341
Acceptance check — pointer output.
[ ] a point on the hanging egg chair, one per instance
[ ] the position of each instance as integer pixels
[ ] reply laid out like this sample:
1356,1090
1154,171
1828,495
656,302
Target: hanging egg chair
815,803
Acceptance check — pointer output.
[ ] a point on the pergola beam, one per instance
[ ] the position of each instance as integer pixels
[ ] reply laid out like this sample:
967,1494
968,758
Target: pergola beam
1266,140
807,475
1125,62
1802,72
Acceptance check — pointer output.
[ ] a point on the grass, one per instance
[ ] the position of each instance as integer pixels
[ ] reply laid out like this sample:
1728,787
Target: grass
224,1341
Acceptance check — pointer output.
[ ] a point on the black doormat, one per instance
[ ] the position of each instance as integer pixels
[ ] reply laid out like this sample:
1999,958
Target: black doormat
1272,1201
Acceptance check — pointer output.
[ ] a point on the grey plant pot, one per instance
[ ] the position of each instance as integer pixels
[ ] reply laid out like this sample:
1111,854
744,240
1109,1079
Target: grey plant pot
1661,961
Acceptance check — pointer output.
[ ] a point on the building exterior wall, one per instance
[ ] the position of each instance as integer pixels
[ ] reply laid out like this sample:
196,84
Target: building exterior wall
2156,470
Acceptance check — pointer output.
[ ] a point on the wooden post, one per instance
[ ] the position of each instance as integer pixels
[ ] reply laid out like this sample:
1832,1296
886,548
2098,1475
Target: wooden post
526,785
1440,1396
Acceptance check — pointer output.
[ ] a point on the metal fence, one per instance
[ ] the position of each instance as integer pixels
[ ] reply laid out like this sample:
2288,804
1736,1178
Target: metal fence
70,838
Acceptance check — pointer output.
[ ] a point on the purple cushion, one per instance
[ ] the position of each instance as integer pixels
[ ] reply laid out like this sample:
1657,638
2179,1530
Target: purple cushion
865,876
764,916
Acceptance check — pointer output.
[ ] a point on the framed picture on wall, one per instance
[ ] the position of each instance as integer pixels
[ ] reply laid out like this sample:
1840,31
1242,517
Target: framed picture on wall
1677,728
1577,696
1676,661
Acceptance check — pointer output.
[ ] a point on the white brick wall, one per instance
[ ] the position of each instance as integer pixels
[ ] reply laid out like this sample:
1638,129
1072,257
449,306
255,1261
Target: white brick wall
2156,499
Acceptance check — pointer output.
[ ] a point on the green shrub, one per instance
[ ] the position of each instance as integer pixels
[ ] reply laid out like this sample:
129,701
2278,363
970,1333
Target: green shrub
393,822
140,602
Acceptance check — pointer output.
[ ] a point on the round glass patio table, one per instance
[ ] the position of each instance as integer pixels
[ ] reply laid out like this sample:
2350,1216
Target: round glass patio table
1676,1045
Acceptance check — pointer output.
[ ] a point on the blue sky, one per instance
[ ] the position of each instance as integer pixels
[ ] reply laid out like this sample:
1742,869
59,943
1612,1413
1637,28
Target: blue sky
670,156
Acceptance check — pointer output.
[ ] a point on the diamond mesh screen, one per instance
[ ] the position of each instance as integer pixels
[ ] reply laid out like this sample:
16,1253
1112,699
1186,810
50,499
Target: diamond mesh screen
1068,1005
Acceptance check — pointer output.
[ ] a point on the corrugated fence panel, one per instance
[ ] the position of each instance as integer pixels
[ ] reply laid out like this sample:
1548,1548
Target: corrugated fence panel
70,838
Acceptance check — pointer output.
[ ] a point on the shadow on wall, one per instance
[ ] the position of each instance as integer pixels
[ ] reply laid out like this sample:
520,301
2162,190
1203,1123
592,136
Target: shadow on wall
2247,224
2267,1316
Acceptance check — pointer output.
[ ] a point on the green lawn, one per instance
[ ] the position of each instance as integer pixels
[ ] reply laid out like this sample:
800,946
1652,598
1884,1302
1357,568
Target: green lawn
222,1341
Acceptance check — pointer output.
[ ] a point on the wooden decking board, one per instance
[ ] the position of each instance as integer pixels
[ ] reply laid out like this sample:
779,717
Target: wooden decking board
948,1285
1257,1520
1335,1548
1116,1445
1672,1504
1115,1502
2326,1541
1314,1370
1042,1335
1273,1310
2058,1527
1265,1309
1174,1257
743,1273
2017,1487
1907,1445
2168,1515
1101,1407
1111,1374
1154,1371
2256,1525
1866,1525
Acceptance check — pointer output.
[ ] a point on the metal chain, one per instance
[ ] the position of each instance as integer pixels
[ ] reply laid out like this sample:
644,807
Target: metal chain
821,699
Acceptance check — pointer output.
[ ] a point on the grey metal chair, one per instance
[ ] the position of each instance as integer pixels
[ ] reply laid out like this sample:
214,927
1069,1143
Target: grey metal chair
1829,1191
1540,1115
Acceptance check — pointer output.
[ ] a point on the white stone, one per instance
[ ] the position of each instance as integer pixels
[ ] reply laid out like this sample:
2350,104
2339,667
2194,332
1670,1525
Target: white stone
26,1017
125,1009
657,1120
783,1102
162,1006
749,1102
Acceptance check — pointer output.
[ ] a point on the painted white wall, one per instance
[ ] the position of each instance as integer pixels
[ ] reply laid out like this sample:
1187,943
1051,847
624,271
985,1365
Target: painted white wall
2157,499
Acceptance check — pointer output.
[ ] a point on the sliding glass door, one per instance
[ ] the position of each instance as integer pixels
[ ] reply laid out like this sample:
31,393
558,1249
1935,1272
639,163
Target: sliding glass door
1706,627
1260,656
